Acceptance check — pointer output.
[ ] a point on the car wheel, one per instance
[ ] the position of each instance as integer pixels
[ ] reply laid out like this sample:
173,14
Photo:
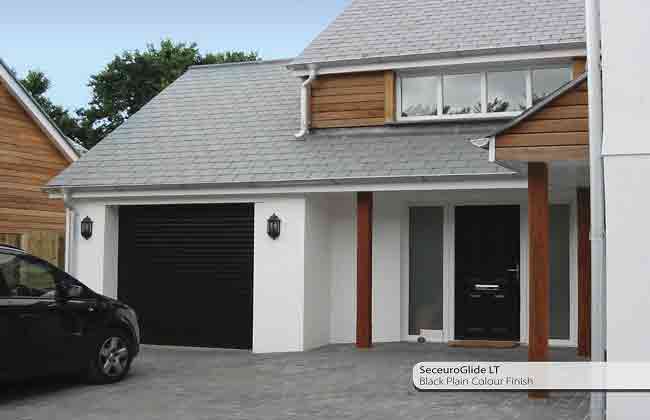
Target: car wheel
111,357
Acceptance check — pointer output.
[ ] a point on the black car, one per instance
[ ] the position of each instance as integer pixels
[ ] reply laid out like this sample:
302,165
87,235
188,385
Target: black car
50,323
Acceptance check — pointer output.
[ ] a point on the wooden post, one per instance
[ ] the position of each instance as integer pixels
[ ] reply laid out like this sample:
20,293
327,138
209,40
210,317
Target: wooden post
584,274
539,262
364,269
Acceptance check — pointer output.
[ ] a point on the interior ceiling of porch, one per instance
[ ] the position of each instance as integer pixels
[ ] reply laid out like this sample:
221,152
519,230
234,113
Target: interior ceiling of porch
565,176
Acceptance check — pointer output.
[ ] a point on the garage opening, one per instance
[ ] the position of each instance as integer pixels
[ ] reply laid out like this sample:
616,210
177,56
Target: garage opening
188,272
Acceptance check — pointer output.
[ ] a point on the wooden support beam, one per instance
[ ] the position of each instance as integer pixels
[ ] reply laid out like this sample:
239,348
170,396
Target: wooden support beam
584,274
364,269
543,153
539,263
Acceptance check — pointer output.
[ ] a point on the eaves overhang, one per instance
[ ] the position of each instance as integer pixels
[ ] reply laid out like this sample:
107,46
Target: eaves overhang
297,186
453,57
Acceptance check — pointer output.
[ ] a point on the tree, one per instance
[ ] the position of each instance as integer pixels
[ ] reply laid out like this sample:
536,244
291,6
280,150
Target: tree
37,84
133,78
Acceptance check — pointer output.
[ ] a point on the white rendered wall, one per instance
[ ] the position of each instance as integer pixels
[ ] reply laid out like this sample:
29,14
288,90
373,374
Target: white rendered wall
626,161
386,264
317,273
278,279
343,267
626,85
94,260
627,208
279,266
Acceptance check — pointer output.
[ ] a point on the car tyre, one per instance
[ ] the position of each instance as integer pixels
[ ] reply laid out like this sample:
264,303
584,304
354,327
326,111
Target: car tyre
111,356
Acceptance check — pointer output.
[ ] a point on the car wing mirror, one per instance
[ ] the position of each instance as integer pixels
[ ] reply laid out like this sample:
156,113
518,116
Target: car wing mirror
73,291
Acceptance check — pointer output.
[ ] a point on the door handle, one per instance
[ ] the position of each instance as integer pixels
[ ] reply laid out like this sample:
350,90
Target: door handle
514,270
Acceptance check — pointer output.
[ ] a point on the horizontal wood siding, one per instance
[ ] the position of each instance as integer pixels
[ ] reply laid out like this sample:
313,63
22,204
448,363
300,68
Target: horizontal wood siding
560,131
28,160
542,153
348,100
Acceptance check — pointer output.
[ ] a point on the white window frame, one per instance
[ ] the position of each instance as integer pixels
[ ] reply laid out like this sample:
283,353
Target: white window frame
483,115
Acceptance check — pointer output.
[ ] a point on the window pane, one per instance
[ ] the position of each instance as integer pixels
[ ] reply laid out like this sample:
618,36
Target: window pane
462,94
426,269
546,81
23,277
419,96
506,91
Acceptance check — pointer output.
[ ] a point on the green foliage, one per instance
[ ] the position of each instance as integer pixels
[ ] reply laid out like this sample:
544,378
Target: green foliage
124,86
37,84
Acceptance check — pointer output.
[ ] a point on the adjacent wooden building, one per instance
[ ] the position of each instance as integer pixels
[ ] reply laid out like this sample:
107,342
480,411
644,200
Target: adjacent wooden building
32,151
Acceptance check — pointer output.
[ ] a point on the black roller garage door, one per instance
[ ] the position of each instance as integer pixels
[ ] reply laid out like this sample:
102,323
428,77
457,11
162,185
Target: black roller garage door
188,272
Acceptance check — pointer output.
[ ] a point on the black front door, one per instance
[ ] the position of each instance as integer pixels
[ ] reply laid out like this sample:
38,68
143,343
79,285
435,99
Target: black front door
487,272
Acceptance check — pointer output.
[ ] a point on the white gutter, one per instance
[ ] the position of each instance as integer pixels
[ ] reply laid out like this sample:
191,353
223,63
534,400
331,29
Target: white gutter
69,227
304,104
596,185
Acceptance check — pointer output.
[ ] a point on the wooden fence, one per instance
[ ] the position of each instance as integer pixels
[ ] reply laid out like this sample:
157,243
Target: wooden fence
47,245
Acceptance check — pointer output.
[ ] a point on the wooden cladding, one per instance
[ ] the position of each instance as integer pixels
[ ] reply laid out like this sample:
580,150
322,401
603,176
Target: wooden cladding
47,245
560,131
28,160
579,66
353,100
390,106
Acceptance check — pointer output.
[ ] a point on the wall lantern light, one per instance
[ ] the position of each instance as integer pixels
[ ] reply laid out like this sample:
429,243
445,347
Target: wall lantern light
87,227
273,226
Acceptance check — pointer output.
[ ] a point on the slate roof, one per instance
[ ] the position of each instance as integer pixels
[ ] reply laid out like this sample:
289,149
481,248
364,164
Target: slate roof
374,29
225,124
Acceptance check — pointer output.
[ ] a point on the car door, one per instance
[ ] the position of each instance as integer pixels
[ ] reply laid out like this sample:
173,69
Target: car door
11,361
39,327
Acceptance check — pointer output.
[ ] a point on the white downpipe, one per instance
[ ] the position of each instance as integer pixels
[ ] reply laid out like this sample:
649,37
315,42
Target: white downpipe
596,183
69,228
596,180
304,104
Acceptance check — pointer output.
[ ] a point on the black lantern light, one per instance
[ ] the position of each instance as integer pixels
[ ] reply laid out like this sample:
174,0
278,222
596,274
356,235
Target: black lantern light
87,227
273,226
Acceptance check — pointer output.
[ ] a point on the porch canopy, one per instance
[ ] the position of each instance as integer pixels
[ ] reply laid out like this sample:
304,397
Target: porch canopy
549,143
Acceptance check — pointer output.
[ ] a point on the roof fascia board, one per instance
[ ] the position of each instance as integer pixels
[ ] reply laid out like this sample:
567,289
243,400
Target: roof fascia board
473,182
37,114
456,60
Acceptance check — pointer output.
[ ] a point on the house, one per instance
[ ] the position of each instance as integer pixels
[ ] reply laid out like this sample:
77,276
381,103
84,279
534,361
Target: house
32,151
420,177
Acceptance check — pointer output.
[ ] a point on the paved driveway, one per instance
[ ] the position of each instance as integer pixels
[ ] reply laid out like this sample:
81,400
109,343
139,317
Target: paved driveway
335,382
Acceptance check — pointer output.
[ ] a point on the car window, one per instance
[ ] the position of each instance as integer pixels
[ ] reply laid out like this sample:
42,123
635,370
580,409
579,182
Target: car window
22,276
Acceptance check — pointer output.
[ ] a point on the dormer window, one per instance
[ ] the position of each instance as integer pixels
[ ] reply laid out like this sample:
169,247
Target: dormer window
498,93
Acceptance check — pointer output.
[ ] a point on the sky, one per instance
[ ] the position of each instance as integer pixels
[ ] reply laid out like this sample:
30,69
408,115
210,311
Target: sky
70,40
